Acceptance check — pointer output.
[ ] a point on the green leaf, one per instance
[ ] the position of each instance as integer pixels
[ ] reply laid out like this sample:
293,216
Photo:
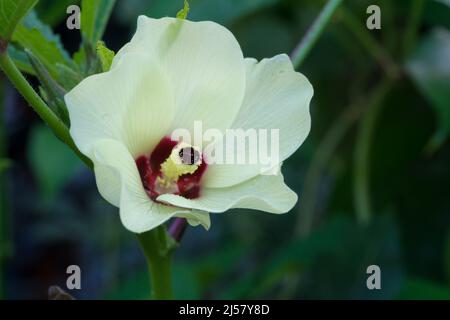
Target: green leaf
53,163
20,59
67,77
54,93
105,55
11,13
94,17
87,60
183,13
429,67
40,39
79,57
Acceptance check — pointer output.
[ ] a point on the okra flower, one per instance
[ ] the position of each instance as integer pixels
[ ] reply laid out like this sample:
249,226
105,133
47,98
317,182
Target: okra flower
171,74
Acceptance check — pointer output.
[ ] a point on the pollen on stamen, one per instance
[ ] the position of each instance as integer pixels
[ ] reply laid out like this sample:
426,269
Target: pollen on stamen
172,167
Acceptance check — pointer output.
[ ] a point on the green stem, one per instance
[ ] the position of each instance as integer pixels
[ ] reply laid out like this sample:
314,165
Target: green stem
157,246
364,138
371,45
312,35
323,155
38,105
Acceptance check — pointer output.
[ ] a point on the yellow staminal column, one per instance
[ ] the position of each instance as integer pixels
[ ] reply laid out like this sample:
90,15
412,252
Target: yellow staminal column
184,159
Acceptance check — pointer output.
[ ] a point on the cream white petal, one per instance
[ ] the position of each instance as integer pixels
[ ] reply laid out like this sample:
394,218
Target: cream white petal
196,217
266,193
108,182
114,165
132,103
204,64
276,97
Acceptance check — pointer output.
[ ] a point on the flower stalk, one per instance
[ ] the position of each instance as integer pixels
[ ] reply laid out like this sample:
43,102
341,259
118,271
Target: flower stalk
157,246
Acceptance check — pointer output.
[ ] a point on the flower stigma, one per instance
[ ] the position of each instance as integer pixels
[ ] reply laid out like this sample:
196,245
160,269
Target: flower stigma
172,167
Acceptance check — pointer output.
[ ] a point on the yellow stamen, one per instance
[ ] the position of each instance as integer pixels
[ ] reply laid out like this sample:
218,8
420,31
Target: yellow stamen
173,167
173,170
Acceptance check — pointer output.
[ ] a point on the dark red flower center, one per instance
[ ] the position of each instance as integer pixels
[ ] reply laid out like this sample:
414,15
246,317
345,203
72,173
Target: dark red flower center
187,185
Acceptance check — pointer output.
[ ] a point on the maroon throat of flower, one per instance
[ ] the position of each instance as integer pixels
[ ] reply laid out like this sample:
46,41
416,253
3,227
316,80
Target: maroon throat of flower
157,179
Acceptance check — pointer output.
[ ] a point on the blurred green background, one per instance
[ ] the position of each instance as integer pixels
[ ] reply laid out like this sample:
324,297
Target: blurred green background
373,177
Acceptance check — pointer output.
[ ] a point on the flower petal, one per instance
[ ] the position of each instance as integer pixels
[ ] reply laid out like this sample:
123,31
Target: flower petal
204,64
266,193
132,103
114,166
276,97
196,217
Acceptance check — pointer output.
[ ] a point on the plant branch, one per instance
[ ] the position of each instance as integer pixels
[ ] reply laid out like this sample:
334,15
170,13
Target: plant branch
364,138
371,45
312,35
38,105
324,152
